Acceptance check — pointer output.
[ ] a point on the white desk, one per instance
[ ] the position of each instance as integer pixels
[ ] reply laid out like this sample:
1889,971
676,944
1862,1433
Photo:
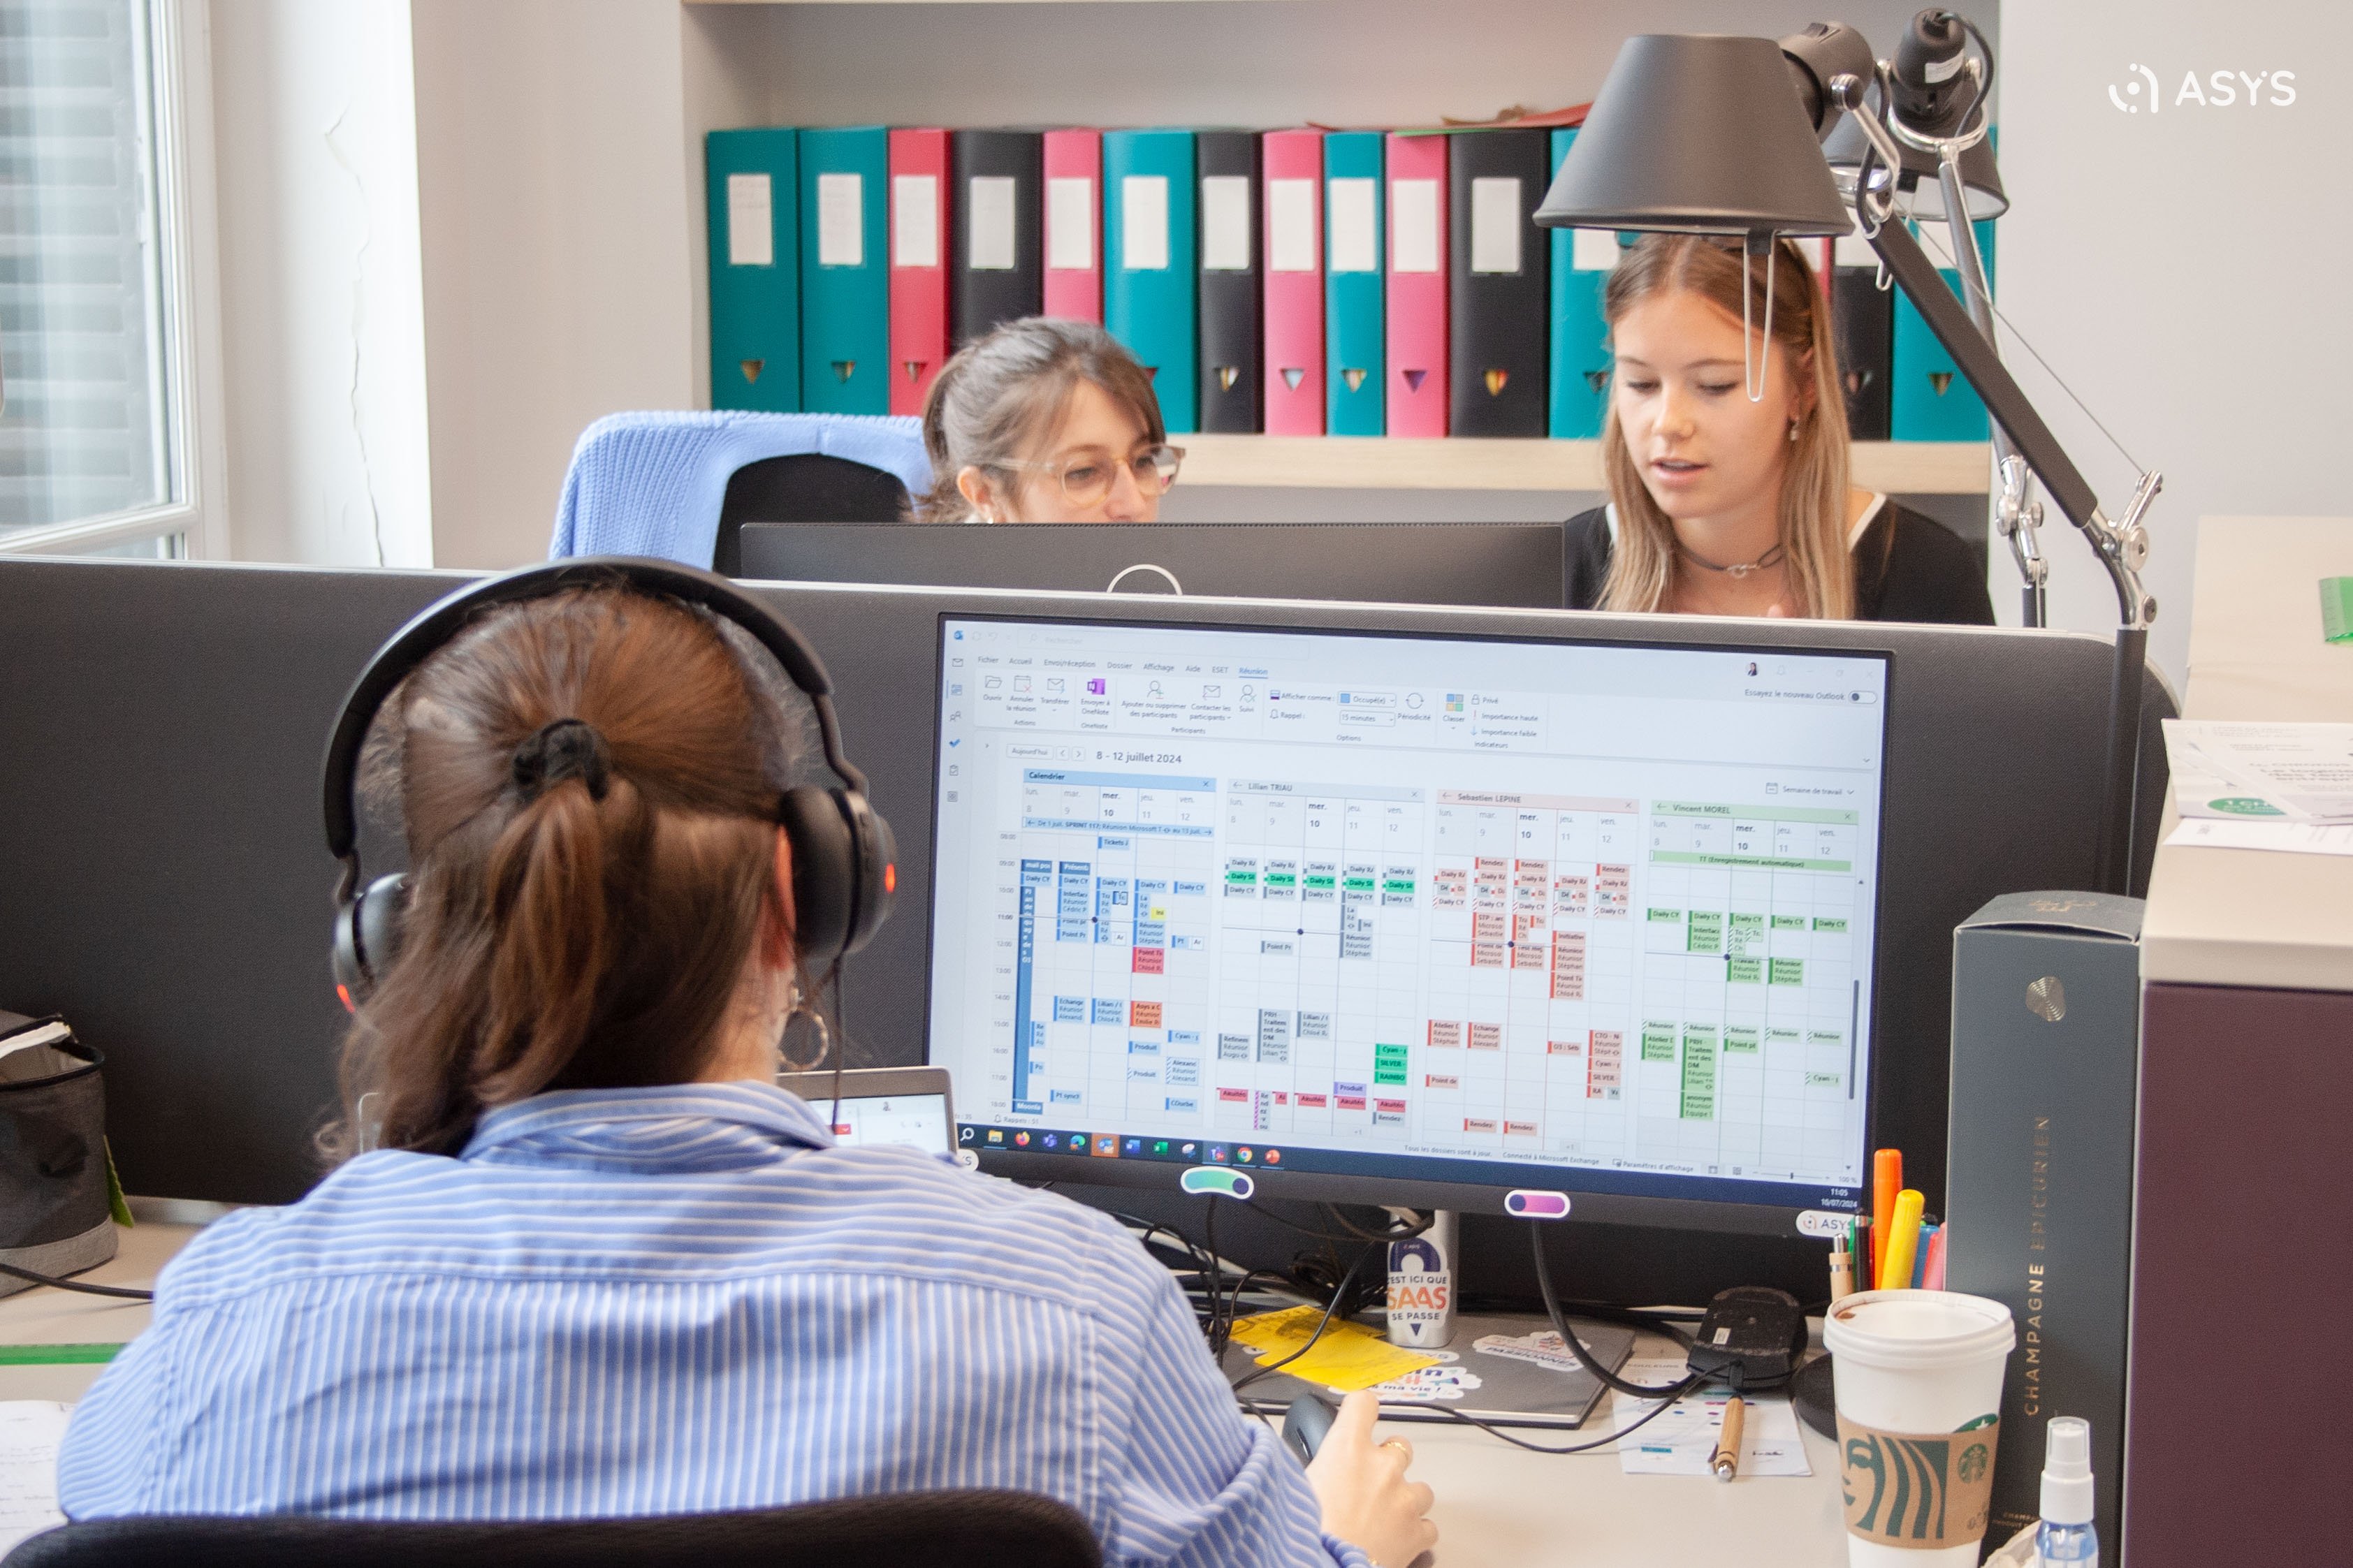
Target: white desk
1498,1507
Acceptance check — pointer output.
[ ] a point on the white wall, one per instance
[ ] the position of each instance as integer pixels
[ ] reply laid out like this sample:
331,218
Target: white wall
321,327
559,283
2178,269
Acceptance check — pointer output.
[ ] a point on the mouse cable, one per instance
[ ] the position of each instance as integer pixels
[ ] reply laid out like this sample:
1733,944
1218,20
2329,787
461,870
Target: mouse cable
1666,1399
124,1291
1585,1357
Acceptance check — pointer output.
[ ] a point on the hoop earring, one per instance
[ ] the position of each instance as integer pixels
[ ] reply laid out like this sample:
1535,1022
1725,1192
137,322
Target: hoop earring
824,1040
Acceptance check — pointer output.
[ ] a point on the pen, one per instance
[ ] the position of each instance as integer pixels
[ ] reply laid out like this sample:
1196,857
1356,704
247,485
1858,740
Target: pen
1902,1241
1886,1181
1726,1460
1842,1271
1919,1280
1935,1277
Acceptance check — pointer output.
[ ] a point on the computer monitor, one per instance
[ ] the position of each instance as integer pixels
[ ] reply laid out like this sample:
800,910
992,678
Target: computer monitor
1524,927
1510,564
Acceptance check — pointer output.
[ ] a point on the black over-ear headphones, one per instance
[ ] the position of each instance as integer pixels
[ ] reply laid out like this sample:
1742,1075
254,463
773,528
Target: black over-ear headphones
845,860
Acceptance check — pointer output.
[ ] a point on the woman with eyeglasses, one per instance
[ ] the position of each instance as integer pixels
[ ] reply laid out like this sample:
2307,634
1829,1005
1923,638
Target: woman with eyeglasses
1045,420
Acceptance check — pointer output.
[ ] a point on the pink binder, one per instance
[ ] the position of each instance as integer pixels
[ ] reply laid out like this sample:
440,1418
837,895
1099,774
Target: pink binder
1073,170
919,273
1417,286
1291,167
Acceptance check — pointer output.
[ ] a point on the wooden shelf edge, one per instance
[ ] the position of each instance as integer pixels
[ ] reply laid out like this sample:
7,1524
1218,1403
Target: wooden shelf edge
1342,462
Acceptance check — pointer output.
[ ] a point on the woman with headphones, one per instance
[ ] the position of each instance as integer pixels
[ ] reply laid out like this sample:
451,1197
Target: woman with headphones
1724,504
1045,420
598,1263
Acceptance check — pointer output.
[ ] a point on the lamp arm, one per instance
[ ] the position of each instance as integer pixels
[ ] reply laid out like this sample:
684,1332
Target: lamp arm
2121,550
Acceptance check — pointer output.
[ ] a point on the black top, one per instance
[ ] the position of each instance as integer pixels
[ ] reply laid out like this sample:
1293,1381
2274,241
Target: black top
1908,567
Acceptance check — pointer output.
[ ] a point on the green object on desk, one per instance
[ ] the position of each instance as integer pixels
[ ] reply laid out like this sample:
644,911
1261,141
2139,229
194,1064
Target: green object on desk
2337,608
57,1355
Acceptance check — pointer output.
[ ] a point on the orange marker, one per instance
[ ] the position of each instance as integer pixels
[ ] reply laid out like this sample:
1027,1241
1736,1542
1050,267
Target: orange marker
1886,1181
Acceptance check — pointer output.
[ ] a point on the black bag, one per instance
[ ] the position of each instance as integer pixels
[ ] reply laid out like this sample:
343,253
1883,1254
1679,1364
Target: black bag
57,1212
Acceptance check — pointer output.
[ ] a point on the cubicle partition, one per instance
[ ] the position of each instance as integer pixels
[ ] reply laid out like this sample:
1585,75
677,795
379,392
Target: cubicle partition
165,883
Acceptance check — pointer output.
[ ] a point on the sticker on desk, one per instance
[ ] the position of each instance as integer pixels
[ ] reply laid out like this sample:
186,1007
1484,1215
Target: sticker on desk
1681,1441
1543,1348
1428,1385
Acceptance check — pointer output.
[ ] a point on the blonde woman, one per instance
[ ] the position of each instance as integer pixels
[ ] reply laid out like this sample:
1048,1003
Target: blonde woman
1722,505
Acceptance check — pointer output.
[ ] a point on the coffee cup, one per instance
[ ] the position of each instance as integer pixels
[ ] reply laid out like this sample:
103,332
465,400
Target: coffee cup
1917,1375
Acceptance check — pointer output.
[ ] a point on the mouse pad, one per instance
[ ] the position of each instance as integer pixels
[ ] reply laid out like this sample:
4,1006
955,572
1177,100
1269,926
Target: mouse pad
1501,1369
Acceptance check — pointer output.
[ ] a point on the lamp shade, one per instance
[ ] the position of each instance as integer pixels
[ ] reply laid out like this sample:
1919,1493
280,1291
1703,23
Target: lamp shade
1696,133
1919,192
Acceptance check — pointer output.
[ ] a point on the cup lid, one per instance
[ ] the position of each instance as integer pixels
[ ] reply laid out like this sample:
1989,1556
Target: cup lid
1903,1330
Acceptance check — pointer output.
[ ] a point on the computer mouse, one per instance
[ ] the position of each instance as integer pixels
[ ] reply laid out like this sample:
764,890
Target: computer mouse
1307,1423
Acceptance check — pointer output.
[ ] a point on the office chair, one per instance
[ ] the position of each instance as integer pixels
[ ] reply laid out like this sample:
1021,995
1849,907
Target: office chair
659,483
974,1528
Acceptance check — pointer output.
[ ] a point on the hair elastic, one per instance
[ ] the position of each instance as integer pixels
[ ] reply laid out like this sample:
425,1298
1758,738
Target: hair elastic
567,748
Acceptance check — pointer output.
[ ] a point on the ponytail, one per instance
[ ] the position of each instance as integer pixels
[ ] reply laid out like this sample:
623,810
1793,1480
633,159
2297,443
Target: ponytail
586,897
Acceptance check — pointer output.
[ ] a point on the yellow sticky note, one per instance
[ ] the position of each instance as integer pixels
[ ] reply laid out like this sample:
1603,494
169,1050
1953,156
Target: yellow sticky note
1347,1357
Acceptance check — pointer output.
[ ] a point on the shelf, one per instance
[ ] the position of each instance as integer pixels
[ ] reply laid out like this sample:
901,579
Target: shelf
1341,462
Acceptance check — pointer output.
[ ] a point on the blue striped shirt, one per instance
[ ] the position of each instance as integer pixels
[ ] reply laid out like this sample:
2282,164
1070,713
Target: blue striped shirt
658,1301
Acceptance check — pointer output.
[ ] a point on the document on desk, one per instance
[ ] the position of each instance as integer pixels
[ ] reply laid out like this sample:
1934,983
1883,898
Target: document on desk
1681,1441
2289,838
2247,772
30,1431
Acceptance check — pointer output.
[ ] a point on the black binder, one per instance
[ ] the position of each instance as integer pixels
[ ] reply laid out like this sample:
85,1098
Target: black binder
994,292
1863,317
1501,316
1230,336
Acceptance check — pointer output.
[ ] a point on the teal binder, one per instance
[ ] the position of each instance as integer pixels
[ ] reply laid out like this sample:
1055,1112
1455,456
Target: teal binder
1932,401
1148,249
755,287
1580,337
1355,270
845,271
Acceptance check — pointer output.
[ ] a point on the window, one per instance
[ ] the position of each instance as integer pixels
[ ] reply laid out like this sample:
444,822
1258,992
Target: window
94,320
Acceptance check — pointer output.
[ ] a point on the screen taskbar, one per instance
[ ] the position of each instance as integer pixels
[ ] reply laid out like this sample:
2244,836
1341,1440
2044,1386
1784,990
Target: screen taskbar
1257,1155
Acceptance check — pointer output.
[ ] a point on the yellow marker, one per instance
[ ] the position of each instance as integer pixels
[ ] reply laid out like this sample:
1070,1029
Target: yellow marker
1902,1241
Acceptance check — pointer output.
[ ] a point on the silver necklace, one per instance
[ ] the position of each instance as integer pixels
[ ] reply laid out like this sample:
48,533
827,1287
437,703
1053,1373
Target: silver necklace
1739,570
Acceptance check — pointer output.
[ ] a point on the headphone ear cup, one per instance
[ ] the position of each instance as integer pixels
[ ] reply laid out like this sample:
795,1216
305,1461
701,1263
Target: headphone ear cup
844,872
368,933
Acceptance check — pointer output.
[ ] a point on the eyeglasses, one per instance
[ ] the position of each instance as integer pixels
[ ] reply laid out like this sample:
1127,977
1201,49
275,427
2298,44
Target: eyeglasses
1087,477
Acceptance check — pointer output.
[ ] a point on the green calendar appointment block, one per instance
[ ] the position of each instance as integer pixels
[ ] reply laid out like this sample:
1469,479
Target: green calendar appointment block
1282,880
1706,932
1357,884
1826,1037
1668,917
1398,885
1788,972
1824,923
1742,1039
1323,881
1699,1072
1788,923
1658,1042
1782,1036
1745,970
1241,878
1824,1079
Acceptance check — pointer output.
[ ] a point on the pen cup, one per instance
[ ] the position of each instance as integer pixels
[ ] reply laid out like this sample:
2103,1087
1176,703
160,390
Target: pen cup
1918,1377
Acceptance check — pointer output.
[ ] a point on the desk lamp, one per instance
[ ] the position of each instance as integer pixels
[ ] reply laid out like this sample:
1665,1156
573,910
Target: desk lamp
1705,134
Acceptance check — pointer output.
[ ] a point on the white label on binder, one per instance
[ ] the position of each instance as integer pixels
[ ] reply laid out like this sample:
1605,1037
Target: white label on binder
1291,225
1143,222
841,220
1413,215
988,223
1071,225
1593,250
751,227
914,220
1495,224
1225,223
1355,230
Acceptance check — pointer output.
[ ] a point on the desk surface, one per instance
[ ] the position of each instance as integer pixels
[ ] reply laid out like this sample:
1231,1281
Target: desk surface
2253,917
1497,1506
